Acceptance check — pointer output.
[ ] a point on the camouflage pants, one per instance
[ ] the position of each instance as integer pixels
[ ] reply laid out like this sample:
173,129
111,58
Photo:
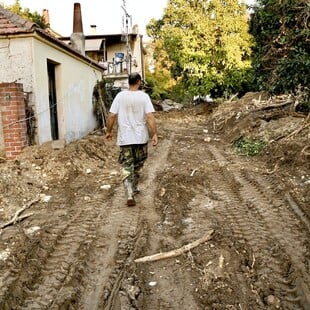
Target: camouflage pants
132,158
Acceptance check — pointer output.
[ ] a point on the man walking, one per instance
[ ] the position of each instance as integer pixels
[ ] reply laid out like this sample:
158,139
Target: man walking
133,110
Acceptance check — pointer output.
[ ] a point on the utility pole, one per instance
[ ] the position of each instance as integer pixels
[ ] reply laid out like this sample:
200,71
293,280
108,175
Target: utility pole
126,30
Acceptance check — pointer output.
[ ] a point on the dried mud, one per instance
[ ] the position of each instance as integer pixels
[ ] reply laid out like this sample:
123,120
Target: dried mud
74,244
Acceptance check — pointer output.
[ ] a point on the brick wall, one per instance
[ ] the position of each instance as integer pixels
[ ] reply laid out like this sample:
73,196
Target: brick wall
12,110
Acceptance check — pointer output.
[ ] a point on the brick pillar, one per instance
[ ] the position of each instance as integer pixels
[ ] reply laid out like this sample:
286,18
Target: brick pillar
12,110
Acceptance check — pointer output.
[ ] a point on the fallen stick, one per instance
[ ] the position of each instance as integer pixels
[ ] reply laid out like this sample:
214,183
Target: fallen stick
16,217
176,252
297,131
274,169
275,106
303,151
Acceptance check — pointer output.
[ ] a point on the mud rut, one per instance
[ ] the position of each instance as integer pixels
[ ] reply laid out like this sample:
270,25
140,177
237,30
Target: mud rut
83,255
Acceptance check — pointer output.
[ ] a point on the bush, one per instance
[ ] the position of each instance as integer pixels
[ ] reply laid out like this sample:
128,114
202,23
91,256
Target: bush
249,146
281,58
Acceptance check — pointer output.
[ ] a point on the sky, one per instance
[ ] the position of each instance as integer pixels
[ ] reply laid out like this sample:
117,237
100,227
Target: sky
107,15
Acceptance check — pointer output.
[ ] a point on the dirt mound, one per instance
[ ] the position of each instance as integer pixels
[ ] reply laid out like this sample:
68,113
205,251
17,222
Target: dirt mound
273,122
39,168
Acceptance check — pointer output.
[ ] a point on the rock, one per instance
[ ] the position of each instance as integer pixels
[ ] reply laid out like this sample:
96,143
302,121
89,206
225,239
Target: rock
273,301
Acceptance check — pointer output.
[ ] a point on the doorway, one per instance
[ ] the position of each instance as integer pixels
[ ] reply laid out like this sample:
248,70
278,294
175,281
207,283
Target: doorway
51,69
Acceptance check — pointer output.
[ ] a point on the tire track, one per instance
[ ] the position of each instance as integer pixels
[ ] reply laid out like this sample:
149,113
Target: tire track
16,283
254,214
70,242
285,228
52,263
126,228
167,273
83,259
192,216
112,248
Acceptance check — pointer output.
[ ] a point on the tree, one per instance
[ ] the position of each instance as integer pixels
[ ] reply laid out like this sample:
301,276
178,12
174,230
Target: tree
281,56
158,74
25,13
207,45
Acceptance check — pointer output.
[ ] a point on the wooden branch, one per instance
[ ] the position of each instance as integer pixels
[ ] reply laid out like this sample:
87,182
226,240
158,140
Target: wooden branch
273,106
17,217
274,169
104,111
303,151
176,252
297,131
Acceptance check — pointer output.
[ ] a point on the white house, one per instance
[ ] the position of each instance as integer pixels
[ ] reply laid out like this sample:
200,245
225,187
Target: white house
57,81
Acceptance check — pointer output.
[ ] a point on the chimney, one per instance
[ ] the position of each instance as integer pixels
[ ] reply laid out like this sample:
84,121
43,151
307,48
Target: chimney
135,29
46,17
77,37
93,29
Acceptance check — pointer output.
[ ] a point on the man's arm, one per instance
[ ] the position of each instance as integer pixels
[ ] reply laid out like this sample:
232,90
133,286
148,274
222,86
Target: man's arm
110,124
150,119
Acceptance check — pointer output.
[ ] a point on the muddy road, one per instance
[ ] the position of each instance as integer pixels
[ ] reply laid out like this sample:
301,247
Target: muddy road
68,240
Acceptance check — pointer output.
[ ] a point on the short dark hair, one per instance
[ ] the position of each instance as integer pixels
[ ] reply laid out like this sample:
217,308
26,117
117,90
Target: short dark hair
133,78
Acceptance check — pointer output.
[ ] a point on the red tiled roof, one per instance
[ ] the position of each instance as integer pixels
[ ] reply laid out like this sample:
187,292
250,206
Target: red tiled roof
11,23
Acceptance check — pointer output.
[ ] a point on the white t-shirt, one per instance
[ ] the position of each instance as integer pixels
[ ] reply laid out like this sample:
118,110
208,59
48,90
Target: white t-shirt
131,107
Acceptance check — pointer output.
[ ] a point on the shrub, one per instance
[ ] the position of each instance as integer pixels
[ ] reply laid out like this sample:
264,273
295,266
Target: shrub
249,146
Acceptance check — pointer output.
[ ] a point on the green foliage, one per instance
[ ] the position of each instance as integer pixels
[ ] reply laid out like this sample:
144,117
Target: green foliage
159,79
248,146
25,13
281,56
207,45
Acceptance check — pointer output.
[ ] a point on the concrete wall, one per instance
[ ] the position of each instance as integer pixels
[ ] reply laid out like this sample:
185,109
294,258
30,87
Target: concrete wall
24,59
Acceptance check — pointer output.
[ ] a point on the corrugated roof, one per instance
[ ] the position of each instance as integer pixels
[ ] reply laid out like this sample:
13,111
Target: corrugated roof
93,44
90,45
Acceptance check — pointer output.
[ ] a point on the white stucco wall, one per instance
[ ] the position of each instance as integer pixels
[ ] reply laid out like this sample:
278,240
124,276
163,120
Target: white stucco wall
25,60
75,81
16,62
15,66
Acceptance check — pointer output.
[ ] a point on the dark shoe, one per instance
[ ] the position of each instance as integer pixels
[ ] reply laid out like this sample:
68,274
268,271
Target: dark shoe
131,202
